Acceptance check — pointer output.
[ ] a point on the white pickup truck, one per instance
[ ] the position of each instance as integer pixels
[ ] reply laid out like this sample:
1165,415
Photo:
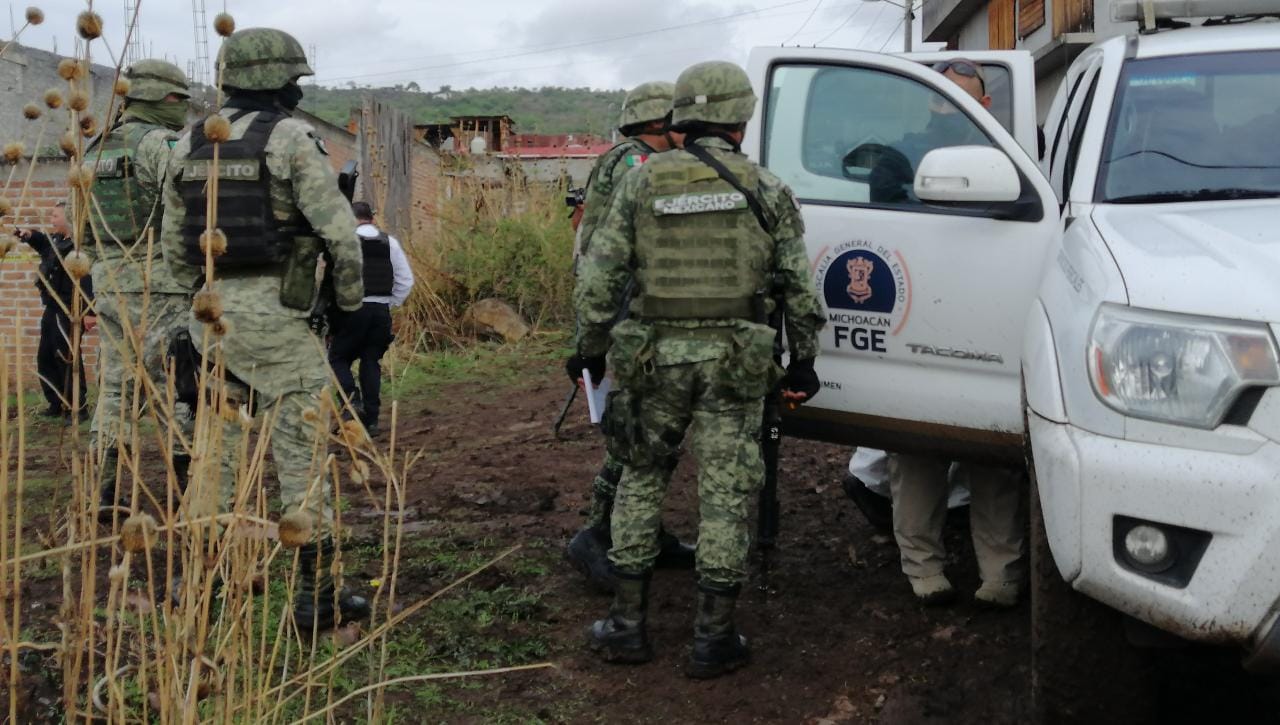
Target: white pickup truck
1108,313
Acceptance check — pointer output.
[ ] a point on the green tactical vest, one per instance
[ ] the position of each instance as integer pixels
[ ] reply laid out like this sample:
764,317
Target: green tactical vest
126,208
700,251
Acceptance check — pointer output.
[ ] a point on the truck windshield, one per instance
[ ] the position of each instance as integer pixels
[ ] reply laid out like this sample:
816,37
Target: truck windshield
1194,128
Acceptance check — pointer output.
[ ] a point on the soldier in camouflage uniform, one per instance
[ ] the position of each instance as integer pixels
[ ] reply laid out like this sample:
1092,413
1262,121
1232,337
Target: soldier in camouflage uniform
646,121
280,208
131,160
712,250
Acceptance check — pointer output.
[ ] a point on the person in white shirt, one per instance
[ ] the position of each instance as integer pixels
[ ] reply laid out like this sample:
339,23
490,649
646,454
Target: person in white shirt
365,335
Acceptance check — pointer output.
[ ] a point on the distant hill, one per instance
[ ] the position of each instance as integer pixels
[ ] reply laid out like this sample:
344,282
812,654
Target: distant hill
549,110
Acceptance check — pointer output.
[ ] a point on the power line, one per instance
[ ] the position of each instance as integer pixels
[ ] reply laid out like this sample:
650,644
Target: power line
891,34
570,46
805,23
848,17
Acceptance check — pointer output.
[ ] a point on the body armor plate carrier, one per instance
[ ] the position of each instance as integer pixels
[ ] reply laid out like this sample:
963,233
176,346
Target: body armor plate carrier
701,252
379,275
124,209
255,237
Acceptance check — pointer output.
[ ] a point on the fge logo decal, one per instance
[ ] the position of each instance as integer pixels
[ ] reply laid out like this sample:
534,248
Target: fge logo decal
867,290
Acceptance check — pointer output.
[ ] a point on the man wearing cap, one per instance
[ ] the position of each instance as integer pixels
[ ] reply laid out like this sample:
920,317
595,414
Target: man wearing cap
129,270
714,243
646,124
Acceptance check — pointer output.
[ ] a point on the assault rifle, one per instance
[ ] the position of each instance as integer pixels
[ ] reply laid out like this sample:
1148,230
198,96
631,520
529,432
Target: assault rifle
768,508
318,320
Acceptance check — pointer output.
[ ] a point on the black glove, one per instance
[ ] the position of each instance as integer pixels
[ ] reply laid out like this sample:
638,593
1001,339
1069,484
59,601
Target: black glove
801,378
575,364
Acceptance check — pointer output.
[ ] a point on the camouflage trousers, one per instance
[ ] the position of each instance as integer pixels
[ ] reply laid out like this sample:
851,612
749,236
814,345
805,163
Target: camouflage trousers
120,352
604,489
725,440
283,363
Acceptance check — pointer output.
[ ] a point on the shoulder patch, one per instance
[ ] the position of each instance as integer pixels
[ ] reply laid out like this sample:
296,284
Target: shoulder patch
634,160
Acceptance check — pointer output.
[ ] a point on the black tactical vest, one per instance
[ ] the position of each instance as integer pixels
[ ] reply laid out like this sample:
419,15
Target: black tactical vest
379,274
255,237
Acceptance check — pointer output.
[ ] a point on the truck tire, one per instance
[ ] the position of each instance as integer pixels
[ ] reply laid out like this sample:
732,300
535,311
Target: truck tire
1083,670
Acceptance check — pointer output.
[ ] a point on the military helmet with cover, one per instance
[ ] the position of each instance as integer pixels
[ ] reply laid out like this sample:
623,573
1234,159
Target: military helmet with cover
262,59
647,102
714,92
153,80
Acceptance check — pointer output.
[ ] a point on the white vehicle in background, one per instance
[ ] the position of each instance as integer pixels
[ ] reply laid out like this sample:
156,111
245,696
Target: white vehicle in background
1131,299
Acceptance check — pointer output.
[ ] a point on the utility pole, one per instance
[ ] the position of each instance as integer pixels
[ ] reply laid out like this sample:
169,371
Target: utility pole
908,21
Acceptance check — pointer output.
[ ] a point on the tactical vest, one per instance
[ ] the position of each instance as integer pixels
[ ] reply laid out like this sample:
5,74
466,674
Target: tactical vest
700,251
379,274
255,238
631,153
125,209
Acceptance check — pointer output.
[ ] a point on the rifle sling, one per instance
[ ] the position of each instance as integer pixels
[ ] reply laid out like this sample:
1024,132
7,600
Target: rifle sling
701,154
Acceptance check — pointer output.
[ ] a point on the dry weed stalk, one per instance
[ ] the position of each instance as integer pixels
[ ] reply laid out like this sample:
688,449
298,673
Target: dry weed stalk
130,645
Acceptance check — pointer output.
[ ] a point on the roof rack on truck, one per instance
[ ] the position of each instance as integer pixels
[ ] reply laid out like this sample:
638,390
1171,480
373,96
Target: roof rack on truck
1153,14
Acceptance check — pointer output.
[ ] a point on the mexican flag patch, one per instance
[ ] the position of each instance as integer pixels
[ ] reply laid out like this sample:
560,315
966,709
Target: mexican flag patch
635,160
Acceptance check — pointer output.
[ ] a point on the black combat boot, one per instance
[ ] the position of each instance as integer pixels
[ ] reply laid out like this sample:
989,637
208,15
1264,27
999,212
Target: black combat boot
108,503
588,551
313,603
622,637
674,553
718,649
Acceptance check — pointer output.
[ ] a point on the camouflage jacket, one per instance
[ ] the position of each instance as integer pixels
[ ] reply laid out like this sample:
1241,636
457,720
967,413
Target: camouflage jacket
120,266
302,180
610,260
605,175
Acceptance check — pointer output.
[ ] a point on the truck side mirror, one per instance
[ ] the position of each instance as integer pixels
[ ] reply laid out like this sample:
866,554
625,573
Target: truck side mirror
967,174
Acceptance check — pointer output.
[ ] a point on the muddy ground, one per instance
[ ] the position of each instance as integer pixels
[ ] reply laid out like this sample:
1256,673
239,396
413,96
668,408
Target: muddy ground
837,636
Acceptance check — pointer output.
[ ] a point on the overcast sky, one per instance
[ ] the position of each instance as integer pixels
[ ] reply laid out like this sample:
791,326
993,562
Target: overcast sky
528,43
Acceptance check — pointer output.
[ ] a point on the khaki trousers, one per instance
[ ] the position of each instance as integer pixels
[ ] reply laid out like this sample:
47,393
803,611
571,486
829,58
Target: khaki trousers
920,488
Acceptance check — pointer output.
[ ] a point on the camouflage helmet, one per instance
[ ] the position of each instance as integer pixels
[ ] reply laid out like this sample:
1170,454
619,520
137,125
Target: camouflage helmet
152,80
714,92
647,102
262,59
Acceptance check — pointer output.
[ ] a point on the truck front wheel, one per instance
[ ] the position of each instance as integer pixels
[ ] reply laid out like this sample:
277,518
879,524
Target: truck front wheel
1082,667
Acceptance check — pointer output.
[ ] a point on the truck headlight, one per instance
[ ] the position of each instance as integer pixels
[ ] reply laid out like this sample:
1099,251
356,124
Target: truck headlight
1177,368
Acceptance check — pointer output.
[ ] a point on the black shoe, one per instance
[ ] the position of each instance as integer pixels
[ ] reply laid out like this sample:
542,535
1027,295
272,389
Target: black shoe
718,649
373,429
877,509
53,411
673,553
313,603
588,551
622,637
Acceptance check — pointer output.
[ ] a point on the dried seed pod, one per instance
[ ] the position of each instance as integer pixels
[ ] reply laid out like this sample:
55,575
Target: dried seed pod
217,129
78,101
77,264
137,533
69,69
80,177
89,25
13,152
87,120
32,111
118,573
207,306
52,98
6,246
121,87
311,415
90,129
224,24
220,327
360,472
295,529
214,242
353,433
68,143
35,15
5,207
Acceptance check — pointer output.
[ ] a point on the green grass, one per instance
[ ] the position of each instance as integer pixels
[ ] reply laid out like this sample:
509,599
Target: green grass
423,373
